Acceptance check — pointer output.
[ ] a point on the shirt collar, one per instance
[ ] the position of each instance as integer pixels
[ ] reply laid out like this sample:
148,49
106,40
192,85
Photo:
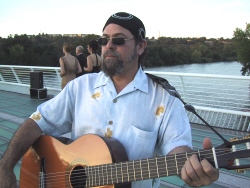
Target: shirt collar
140,80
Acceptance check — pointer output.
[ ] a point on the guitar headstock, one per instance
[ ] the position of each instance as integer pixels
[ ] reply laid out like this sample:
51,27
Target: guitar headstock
237,156
237,161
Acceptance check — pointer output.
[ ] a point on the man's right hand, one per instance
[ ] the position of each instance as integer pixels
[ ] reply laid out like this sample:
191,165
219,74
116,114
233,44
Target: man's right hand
24,137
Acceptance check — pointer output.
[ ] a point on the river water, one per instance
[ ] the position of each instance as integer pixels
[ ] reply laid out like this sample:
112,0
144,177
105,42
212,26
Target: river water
217,68
221,68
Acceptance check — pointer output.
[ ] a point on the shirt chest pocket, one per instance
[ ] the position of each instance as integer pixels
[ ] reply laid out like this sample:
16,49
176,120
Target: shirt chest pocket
141,142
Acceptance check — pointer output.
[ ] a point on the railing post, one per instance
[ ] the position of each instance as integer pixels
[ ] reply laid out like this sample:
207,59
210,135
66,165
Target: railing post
183,89
58,75
16,76
1,77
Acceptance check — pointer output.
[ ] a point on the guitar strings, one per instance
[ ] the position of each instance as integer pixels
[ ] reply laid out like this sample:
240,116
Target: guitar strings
97,165
60,176
118,178
118,168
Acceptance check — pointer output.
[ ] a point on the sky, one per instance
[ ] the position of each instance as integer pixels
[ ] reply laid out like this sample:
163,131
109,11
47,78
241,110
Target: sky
165,18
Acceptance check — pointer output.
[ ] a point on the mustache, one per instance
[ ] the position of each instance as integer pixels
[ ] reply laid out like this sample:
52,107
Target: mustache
110,52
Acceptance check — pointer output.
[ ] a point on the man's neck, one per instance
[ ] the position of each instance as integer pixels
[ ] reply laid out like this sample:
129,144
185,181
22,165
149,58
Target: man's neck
123,80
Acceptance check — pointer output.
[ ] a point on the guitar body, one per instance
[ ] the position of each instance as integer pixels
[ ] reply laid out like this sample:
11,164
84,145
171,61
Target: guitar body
60,159
93,161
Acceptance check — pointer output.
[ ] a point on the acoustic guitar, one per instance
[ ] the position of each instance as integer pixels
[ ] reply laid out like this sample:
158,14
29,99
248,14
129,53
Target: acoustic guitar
93,161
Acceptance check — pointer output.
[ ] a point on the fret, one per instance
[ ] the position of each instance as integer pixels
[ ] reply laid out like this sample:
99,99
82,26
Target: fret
141,170
163,167
152,168
103,175
121,172
107,174
166,163
91,171
180,161
131,171
124,172
171,161
199,155
127,170
215,159
157,170
95,174
99,174
134,170
144,169
148,170
89,175
111,177
116,173
176,164
210,155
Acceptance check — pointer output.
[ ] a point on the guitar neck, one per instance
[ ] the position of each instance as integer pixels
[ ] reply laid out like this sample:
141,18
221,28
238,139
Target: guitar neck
140,169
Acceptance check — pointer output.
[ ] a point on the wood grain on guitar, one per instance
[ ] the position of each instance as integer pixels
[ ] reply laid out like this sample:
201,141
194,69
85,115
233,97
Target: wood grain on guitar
92,161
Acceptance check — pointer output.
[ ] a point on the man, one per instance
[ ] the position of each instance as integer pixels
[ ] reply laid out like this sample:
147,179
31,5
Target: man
81,58
120,102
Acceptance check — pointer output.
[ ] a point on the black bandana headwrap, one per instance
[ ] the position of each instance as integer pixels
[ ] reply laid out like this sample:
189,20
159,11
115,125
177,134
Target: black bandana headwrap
129,22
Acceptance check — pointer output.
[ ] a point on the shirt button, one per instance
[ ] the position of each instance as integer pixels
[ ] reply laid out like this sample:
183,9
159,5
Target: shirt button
115,100
110,122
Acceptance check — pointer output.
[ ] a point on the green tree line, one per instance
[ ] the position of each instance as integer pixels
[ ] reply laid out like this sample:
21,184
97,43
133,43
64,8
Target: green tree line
242,45
38,50
45,50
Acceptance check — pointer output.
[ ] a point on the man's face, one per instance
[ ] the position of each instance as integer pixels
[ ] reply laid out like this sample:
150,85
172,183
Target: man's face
117,59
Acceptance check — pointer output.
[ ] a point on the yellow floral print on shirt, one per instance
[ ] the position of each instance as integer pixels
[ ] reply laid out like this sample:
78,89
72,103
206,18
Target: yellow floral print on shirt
36,117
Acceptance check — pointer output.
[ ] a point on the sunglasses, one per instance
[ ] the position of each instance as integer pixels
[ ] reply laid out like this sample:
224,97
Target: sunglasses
116,41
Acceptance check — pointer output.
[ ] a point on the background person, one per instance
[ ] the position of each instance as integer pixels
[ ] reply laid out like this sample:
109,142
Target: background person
93,60
81,58
69,65
121,102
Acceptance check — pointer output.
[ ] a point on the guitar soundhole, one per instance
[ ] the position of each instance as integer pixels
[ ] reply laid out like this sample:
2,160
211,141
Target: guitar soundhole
78,177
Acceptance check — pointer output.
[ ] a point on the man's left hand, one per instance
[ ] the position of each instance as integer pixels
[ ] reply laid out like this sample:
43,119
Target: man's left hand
199,173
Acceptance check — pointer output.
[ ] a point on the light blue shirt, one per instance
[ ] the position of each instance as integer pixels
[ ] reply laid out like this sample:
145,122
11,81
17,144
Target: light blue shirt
144,117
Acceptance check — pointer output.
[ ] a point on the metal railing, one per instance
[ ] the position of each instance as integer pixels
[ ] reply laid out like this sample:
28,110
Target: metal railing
17,78
224,101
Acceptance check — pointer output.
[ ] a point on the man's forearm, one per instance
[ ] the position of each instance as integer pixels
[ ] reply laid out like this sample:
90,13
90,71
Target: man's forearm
25,136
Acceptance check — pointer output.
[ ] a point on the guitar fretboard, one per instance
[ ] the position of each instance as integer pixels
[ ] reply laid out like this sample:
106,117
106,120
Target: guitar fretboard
140,169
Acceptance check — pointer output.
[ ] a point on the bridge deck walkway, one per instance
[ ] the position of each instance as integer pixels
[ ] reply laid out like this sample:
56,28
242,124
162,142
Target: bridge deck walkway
15,107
